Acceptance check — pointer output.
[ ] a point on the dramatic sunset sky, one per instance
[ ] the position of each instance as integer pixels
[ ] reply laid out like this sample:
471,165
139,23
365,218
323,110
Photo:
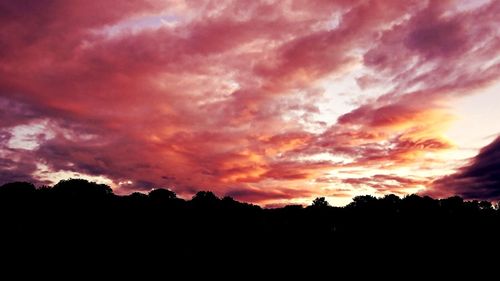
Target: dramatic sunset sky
270,102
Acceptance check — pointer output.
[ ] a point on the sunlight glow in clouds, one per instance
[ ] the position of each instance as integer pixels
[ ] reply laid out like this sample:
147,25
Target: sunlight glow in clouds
270,102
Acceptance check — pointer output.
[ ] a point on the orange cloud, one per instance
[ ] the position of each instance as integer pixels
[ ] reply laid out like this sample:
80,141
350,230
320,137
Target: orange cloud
225,95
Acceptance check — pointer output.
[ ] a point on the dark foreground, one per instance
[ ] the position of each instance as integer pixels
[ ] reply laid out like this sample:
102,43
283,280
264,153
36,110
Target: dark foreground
78,220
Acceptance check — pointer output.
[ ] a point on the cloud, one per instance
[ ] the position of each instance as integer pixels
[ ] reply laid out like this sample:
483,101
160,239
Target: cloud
479,179
431,58
16,164
225,98
388,183
272,194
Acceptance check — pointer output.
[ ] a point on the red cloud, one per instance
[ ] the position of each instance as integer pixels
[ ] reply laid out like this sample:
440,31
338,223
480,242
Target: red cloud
224,98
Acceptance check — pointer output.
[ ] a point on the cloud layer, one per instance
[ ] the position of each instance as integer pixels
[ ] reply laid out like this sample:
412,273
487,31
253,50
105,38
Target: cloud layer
480,179
230,95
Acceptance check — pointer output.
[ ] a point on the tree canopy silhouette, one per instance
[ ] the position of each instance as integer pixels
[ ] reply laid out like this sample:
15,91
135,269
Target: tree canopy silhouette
84,216
320,202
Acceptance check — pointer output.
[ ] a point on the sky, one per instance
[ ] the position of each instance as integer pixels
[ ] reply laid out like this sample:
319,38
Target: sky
269,102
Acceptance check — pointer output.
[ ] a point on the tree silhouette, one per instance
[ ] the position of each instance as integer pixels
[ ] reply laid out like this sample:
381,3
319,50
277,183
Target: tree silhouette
391,199
320,202
77,216
485,205
205,198
81,188
364,201
161,194
16,188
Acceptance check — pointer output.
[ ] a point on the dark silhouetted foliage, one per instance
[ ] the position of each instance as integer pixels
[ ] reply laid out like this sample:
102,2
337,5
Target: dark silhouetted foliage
77,218
320,202
205,197
80,188
163,195
16,189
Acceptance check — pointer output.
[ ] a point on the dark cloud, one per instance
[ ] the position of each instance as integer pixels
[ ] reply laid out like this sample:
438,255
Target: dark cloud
480,179
20,168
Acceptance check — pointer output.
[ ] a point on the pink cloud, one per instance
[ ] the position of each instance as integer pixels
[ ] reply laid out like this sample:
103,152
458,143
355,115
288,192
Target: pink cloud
259,195
207,103
387,184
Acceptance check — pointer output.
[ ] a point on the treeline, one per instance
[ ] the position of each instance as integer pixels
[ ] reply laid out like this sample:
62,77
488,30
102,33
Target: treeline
80,217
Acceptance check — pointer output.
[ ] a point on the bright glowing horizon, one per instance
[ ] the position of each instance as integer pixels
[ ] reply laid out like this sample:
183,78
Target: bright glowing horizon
270,102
